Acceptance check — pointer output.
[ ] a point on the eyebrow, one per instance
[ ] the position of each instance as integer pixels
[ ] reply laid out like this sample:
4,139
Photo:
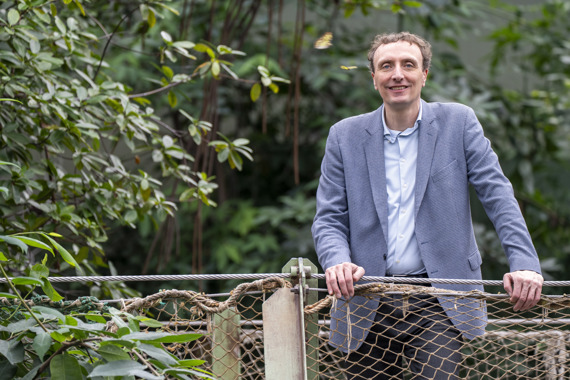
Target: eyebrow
405,59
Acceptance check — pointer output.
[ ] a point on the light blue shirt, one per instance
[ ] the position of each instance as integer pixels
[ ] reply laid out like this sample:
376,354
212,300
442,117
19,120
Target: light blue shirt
400,158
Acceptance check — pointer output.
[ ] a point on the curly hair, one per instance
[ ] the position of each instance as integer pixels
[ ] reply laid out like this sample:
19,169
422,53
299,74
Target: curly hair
388,38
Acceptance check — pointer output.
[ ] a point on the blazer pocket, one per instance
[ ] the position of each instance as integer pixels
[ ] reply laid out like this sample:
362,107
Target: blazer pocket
475,260
445,171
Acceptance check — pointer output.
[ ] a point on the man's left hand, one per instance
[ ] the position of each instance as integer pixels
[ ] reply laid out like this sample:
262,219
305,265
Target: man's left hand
524,287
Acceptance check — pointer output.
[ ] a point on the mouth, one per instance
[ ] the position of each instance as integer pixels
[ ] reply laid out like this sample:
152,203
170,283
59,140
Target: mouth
398,88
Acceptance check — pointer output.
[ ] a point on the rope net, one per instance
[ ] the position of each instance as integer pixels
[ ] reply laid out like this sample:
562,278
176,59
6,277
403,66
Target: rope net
386,331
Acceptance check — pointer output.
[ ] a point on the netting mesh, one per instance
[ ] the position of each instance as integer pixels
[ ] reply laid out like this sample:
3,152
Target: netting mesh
418,339
409,333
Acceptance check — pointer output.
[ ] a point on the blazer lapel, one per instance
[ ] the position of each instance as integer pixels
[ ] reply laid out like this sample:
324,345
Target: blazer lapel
426,147
374,152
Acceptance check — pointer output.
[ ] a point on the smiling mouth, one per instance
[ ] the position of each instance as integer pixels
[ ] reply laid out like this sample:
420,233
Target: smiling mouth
398,87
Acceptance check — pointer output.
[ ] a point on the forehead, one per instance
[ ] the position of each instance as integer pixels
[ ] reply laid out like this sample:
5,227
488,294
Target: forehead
397,51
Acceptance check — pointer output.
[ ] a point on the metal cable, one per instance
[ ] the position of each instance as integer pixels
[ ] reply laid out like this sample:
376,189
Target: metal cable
257,276
179,277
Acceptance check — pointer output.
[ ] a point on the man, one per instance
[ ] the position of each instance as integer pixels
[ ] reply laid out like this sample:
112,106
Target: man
393,200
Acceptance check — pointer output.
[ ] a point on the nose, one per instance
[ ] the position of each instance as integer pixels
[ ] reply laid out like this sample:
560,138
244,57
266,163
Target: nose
397,73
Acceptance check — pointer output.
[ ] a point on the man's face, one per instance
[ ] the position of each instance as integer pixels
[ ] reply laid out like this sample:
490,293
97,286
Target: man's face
398,74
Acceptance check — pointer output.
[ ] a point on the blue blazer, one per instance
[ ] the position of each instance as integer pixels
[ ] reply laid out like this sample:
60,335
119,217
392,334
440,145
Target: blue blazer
351,222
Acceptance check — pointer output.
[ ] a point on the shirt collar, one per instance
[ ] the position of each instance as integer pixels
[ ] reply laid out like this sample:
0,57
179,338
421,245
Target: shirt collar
405,132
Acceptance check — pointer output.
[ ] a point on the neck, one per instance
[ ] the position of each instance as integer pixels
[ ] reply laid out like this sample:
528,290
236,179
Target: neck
401,119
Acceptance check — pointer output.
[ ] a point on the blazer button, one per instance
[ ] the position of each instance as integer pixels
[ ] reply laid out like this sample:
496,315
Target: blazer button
385,257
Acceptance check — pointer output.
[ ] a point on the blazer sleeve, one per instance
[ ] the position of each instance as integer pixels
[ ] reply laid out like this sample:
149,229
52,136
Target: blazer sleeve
331,223
497,196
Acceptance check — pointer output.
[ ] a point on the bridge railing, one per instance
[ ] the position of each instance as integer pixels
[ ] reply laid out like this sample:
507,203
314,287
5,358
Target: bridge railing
283,326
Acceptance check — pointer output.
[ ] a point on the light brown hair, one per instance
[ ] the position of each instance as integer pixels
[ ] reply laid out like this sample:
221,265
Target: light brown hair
388,38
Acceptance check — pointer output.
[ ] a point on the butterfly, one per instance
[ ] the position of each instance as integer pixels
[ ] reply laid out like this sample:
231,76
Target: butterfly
348,67
324,41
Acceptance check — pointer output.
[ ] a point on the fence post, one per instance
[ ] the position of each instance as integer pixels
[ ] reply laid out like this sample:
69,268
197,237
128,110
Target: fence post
302,277
226,345
283,346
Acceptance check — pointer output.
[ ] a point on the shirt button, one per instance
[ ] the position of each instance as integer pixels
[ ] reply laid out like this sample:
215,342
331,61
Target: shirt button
405,185
402,160
401,236
403,211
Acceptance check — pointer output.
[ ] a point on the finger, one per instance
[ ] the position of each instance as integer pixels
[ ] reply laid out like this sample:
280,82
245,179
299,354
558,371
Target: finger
348,290
507,283
332,284
358,273
522,302
516,290
529,301
533,296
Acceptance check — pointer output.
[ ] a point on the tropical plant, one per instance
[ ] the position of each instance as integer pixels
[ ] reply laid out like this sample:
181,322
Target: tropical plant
42,342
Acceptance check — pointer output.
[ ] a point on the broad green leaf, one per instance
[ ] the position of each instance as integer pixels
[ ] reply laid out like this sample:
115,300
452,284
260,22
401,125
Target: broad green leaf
162,337
191,362
34,46
148,321
255,92
198,373
60,25
184,44
216,69
151,18
39,271
113,353
13,241
49,312
412,4
2,257
65,367
117,368
7,370
95,318
146,375
131,216
34,243
12,350
50,291
63,252
27,281
42,343
78,4
22,325
7,295
13,17
172,99
167,71
158,353
57,336
166,37
119,342
273,87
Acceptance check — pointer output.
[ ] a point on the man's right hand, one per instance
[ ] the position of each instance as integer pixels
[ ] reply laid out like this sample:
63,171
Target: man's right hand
341,279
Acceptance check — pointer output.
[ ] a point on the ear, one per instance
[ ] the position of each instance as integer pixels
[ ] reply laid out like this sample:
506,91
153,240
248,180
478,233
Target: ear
373,81
425,73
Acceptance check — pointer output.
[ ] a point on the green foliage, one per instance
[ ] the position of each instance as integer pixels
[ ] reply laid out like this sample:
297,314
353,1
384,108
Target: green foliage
74,137
53,346
42,342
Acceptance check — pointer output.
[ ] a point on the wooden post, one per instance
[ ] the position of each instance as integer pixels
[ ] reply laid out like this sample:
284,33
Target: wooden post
311,322
226,345
284,349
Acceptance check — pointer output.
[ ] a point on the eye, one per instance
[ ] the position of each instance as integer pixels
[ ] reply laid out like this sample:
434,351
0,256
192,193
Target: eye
409,65
385,66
